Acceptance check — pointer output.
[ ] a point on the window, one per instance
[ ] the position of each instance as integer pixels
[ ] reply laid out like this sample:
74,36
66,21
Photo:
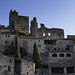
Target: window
59,35
68,55
58,48
5,42
60,42
54,48
24,19
28,66
11,43
10,60
8,35
49,49
54,55
38,40
61,55
8,68
39,45
27,73
43,34
49,34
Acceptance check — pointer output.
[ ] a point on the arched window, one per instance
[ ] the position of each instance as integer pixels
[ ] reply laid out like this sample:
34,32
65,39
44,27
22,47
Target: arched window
68,55
43,34
27,73
61,55
54,55
49,34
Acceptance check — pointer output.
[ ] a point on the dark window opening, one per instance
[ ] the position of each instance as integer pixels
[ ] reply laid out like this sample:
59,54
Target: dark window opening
61,55
28,66
38,40
8,68
11,43
8,35
70,69
68,55
6,42
54,48
48,48
54,55
10,60
27,73
59,35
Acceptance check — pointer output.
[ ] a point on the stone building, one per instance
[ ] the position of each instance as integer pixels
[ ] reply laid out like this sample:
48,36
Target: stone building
55,50
12,66
18,22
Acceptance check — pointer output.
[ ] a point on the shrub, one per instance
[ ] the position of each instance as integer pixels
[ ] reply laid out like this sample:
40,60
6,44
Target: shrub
24,33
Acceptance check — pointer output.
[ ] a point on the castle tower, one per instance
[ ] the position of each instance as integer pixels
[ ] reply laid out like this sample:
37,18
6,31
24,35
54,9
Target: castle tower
33,27
19,23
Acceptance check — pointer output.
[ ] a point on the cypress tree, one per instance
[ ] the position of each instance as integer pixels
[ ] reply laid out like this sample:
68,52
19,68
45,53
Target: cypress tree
36,56
17,49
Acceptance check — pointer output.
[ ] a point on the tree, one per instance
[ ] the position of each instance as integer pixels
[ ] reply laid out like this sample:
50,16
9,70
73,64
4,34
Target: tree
17,49
9,50
36,56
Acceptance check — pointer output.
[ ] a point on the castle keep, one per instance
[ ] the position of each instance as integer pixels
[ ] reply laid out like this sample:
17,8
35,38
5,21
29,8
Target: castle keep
55,50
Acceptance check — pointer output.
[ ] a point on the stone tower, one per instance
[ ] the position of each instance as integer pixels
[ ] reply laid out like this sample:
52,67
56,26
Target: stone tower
33,27
19,23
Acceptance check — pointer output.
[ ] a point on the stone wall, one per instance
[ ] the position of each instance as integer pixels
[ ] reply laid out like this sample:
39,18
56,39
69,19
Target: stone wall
52,33
6,65
27,68
17,22
42,71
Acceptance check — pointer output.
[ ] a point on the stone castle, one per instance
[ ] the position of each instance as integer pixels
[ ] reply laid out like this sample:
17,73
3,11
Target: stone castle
55,50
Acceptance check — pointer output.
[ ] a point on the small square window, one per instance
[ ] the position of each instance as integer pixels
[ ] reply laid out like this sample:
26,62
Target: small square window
11,43
8,35
6,42
39,45
38,40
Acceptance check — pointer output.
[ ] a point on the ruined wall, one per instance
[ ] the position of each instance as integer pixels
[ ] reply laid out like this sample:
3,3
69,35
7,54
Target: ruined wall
52,33
17,22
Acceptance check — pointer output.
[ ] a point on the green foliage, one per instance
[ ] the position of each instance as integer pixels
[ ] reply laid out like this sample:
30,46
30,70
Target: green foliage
44,65
9,51
17,49
24,33
23,52
0,53
36,57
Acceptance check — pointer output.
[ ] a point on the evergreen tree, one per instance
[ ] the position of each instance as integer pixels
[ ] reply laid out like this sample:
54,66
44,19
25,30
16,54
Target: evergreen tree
36,56
17,49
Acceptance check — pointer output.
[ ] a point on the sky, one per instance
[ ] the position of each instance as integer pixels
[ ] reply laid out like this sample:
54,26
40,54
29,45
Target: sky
52,13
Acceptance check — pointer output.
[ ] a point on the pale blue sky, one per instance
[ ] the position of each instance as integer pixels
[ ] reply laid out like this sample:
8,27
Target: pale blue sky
53,13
